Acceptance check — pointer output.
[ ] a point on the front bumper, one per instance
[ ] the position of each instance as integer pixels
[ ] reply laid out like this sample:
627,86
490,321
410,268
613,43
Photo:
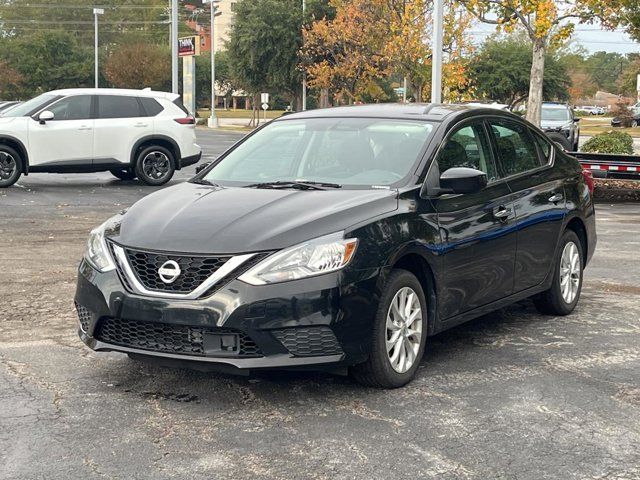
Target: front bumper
323,322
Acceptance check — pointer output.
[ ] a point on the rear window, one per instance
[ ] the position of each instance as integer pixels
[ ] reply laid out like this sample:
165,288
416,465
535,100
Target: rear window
118,106
151,106
180,105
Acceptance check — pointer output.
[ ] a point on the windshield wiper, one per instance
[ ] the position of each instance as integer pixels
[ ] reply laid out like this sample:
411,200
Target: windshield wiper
302,185
203,181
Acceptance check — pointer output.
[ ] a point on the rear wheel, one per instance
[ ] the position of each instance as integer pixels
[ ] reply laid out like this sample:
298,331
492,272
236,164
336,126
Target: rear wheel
155,165
399,334
564,293
10,166
123,174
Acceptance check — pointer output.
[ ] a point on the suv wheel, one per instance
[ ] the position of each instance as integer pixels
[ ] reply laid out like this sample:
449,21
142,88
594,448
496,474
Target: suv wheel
634,124
399,334
124,174
155,165
560,139
10,166
564,293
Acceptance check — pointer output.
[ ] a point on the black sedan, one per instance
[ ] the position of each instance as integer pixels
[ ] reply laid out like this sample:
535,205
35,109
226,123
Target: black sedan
626,121
342,239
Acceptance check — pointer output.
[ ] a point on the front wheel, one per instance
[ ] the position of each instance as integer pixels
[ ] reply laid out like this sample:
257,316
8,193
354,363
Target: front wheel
564,293
10,166
634,124
399,334
155,165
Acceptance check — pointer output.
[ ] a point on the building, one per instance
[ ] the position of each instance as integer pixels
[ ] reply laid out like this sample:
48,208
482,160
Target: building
200,20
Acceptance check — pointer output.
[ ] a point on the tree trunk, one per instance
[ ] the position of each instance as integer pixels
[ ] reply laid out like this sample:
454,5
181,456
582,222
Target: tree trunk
324,98
534,105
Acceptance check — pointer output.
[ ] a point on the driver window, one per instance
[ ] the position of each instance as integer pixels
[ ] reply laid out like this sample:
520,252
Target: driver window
72,108
468,147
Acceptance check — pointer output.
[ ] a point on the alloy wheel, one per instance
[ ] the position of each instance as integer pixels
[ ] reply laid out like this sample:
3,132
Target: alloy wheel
570,272
8,166
156,165
404,329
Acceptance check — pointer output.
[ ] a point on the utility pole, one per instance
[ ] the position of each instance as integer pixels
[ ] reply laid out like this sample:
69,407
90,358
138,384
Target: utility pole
304,73
436,74
213,120
96,12
174,46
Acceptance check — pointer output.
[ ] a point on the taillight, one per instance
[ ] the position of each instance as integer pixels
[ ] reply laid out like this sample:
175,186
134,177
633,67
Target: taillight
588,178
186,120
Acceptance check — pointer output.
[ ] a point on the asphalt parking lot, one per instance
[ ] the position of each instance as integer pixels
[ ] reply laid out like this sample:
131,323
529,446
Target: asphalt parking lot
513,395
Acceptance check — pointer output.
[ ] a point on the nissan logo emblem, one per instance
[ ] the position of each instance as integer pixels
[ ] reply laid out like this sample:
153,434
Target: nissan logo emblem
169,271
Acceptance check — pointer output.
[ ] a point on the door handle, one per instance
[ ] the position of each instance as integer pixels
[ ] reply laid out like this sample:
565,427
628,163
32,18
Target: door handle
556,198
502,213
84,127
141,125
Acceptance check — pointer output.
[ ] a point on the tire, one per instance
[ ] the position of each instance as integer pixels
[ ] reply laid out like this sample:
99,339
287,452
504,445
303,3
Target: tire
379,371
155,165
10,166
560,139
124,174
634,124
553,302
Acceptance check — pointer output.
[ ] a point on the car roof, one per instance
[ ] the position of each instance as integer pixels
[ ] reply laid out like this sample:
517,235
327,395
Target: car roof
554,105
115,91
423,111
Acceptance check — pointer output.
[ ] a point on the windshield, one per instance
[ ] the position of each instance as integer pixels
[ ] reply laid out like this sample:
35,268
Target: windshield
342,151
29,106
556,114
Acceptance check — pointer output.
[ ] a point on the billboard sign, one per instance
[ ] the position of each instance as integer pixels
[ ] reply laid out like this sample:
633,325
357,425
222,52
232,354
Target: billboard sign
189,46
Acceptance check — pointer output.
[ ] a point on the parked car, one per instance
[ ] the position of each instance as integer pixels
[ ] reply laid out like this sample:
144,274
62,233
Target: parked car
591,110
626,121
341,238
4,106
560,124
131,133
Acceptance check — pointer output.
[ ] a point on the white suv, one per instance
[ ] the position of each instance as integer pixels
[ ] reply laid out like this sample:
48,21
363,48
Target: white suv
131,133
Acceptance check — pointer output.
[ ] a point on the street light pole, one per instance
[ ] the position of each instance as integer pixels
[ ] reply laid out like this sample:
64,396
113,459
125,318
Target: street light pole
213,119
304,73
96,12
436,73
174,46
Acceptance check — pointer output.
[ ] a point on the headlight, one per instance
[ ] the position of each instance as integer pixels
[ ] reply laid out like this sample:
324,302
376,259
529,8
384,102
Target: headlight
315,257
97,252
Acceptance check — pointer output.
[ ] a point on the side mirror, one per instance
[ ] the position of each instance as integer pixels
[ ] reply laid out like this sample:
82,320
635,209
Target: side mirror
577,119
462,180
45,116
202,166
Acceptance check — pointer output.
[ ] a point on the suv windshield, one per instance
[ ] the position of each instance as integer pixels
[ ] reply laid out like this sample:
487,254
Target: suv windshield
339,151
555,114
29,106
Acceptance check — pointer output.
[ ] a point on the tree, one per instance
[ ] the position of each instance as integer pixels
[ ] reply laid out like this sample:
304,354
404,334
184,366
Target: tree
47,61
10,81
502,67
545,23
224,82
263,47
139,65
605,68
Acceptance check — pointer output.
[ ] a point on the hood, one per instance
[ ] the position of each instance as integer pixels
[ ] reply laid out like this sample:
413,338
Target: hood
194,218
555,124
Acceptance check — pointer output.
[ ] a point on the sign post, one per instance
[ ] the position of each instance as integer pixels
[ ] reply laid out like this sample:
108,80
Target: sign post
188,49
264,99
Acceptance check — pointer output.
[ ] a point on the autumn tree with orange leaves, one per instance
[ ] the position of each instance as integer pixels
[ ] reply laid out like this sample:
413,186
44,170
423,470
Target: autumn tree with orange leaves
373,39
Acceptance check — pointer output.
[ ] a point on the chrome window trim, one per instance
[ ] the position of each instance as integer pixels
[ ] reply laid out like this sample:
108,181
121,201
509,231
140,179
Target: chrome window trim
231,264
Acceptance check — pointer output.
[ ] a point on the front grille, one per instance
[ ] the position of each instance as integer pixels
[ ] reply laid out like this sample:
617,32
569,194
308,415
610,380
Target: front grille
309,341
84,317
194,270
169,338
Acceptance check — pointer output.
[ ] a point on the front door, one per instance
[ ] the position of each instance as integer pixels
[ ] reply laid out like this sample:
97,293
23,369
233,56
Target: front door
539,201
68,138
478,243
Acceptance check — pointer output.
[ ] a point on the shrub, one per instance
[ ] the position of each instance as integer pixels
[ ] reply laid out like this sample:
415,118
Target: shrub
610,142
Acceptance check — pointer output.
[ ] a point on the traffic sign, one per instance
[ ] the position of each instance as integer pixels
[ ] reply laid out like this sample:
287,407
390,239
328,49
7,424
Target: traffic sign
265,106
264,98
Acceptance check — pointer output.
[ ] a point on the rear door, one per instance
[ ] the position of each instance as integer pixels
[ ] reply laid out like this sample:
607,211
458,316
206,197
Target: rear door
478,241
526,160
68,138
120,122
